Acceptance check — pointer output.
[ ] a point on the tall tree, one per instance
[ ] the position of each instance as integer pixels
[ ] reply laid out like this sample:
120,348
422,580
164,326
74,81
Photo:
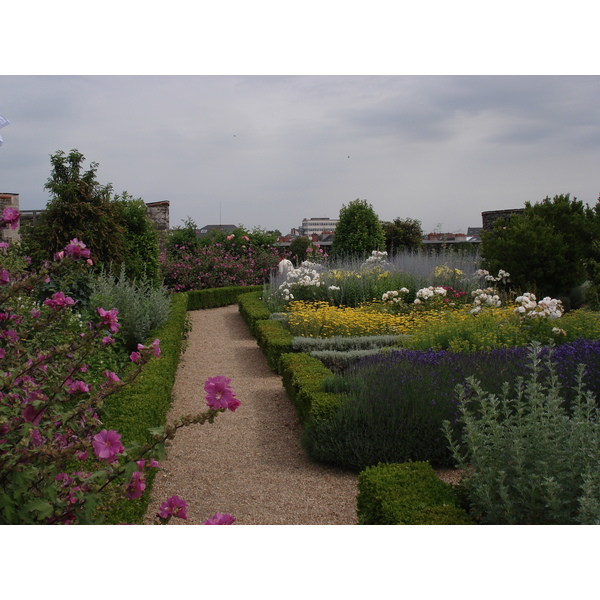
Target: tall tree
544,249
358,231
80,208
402,235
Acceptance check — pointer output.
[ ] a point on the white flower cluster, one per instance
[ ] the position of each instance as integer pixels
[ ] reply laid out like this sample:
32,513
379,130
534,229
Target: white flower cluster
394,296
306,275
483,298
377,258
547,307
428,292
503,275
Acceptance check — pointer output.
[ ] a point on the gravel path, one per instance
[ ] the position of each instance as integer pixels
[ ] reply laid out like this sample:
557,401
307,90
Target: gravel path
248,463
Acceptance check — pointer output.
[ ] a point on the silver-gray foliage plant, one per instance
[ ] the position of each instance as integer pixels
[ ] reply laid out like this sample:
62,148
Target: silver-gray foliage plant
142,306
528,458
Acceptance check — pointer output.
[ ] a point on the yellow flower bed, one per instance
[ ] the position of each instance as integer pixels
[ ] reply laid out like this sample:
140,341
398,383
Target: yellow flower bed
320,319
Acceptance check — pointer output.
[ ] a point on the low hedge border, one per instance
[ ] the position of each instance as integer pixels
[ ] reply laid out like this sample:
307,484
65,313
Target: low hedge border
216,297
145,404
407,494
302,376
253,309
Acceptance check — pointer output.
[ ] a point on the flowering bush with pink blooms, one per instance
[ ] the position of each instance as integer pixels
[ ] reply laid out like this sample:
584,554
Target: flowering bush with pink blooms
228,260
58,462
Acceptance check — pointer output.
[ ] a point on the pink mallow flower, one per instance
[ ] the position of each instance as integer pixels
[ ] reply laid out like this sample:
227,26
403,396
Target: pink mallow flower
221,519
173,507
78,387
76,249
109,317
59,300
4,277
111,376
10,216
155,348
136,486
219,393
107,444
135,356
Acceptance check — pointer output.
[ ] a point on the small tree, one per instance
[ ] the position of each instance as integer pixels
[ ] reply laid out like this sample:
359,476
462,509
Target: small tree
141,239
402,235
298,247
79,208
358,232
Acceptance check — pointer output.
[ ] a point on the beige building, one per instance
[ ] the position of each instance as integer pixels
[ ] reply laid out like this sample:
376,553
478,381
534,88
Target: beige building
8,235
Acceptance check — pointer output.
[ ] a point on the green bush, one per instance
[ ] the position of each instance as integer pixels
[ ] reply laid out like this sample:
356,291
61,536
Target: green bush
528,459
142,306
274,340
216,297
145,404
406,494
302,378
253,309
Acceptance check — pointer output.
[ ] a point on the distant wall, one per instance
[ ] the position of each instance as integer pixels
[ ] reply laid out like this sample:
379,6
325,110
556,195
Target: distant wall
6,200
491,216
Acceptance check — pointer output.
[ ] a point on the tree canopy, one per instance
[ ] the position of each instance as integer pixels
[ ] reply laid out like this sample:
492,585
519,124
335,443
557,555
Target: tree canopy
402,235
545,249
358,231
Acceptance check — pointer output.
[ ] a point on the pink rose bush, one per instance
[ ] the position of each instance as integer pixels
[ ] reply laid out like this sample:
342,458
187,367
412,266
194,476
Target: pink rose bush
231,261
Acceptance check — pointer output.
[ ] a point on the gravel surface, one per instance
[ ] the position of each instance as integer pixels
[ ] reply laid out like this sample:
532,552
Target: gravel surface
248,463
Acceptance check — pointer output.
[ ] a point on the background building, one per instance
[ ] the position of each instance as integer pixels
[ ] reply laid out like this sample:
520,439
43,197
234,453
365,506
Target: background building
6,200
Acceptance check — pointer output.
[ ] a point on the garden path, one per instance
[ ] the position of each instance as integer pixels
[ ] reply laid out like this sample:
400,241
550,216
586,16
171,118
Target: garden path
248,463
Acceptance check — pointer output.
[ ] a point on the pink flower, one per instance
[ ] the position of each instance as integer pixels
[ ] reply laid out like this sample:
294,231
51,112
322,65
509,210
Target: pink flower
107,340
219,393
136,486
112,377
59,255
59,300
221,519
78,386
76,249
10,216
4,277
155,347
107,444
173,507
135,356
109,317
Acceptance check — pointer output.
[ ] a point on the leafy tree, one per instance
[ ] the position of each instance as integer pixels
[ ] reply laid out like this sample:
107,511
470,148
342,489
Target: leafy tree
298,248
141,240
402,235
79,208
544,249
185,235
358,232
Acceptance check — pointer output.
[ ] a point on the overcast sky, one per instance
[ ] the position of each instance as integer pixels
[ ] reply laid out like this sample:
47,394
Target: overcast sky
267,151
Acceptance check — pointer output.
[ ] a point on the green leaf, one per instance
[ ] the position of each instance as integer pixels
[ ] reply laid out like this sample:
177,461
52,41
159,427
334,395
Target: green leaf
44,509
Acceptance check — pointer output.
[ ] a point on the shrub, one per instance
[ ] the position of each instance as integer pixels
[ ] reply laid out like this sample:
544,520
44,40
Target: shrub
302,378
216,297
406,494
253,309
528,458
142,307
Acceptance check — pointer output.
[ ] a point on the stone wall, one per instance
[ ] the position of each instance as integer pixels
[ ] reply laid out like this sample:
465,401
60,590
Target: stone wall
490,216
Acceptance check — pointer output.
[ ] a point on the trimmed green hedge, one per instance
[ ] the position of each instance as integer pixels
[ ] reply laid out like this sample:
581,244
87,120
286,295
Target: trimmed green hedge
302,376
407,494
144,404
253,309
274,340
216,297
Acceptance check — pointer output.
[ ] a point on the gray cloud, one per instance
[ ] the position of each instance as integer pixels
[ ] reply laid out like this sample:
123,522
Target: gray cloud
270,150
